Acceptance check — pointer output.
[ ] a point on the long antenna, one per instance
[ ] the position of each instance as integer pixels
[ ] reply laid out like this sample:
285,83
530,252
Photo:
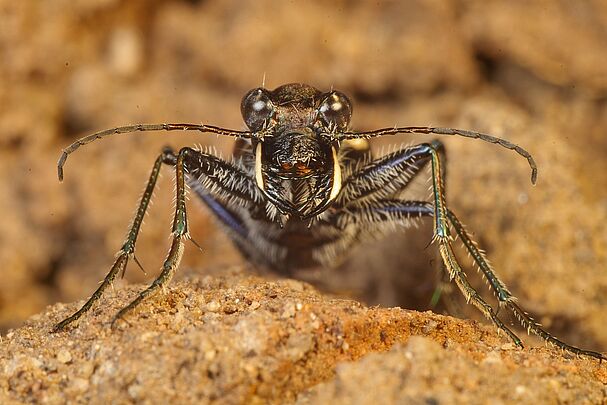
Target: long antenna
142,128
444,131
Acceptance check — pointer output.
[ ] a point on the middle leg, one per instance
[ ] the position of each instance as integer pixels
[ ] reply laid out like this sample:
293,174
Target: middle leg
390,175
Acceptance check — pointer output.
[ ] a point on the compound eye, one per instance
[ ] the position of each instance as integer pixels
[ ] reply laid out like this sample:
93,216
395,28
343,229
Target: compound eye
256,108
336,110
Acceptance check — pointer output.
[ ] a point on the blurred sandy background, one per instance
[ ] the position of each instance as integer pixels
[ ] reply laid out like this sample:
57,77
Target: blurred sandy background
534,72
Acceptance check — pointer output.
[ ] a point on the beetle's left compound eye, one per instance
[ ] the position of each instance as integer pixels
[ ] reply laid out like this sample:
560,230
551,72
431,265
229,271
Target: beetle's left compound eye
256,108
336,110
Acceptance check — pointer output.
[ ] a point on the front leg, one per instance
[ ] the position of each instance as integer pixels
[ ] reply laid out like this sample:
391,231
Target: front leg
209,171
386,176
179,231
128,248
390,175
221,179
413,160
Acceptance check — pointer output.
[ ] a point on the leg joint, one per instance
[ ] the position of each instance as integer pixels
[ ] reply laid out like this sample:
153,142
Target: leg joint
168,156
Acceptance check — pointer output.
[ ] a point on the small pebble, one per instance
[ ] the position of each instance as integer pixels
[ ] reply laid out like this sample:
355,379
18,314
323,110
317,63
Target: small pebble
135,390
492,358
210,355
64,356
80,384
429,327
288,311
254,305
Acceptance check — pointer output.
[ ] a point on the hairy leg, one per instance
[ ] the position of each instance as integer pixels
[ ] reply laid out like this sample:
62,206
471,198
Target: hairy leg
208,170
504,296
128,248
211,171
390,175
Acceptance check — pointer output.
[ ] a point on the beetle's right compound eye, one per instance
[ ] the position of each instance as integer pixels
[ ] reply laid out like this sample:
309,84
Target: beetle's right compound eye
336,110
256,108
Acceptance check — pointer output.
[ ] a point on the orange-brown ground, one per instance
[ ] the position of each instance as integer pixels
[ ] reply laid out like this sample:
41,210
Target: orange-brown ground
243,339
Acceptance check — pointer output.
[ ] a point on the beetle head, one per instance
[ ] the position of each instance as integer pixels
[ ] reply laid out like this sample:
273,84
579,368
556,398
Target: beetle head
296,145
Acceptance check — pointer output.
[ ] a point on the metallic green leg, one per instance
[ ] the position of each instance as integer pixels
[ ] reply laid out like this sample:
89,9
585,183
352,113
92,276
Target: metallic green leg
505,297
127,250
443,237
180,232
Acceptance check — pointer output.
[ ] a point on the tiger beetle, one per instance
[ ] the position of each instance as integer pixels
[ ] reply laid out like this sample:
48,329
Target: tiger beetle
302,190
